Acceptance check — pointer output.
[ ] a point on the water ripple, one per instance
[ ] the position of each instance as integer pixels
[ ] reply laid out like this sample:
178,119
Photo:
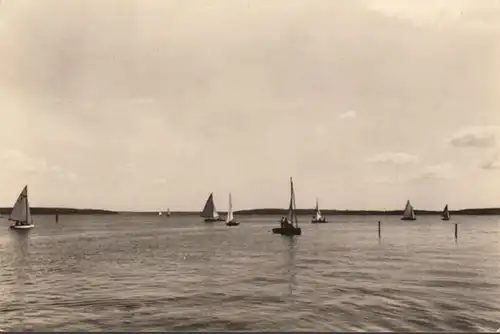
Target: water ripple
147,273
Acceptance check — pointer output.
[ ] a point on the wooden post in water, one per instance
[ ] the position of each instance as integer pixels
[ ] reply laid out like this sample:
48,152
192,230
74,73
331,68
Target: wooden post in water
379,231
57,216
456,231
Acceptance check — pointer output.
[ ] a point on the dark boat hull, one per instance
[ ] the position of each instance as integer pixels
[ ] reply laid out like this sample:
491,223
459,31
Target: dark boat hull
212,220
321,221
404,218
289,231
445,218
233,223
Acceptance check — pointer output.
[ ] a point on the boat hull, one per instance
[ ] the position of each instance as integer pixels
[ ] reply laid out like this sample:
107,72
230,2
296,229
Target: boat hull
233,223
445,218
22,227
288,231
212,220
408,218
319,221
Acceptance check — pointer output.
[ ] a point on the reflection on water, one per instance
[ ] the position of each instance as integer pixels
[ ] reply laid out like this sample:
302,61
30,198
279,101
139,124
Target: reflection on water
134,273
291,244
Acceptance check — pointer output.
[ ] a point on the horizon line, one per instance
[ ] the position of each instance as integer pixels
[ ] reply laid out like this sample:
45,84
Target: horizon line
64,208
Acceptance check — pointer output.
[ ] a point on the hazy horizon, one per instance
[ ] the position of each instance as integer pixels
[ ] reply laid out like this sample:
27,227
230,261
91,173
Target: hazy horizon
152,104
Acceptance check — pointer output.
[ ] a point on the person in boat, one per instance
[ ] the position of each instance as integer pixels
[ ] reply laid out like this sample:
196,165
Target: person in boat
285,223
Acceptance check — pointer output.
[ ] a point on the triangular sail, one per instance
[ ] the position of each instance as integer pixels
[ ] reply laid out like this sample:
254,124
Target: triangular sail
317,211
230,217
292,215
21,211
209,211
408,213
446,213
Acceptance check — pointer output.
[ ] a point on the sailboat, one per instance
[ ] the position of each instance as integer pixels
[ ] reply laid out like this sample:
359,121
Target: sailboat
318,218
409,214
168,213
287,223
446,214
209,211
230,217
21,212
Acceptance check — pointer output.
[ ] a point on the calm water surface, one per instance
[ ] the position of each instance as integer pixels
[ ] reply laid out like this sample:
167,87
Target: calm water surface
144,272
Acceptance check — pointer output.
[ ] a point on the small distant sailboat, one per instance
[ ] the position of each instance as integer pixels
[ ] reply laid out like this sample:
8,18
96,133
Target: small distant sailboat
168,212
409,214
230,217
446,214
21,212
318,218
287,223
210,212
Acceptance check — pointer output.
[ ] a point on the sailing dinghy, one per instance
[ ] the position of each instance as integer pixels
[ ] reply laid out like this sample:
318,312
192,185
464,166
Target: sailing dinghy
287,223
210,212
230,221
409,214
318,218
446,214
21,212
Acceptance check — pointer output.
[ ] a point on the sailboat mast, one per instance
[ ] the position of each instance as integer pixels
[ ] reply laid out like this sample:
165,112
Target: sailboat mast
27,206
294,207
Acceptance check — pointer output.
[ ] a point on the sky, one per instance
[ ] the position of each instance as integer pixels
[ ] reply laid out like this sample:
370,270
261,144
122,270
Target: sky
153,104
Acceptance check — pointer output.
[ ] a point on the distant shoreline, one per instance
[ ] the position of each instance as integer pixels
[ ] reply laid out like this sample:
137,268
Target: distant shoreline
62,211
256,212
283,212
480,211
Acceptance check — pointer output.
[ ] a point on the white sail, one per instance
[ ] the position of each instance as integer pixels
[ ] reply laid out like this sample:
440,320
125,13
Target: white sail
317,211
292,215
21,211
446,213
209,211
230,216
409,213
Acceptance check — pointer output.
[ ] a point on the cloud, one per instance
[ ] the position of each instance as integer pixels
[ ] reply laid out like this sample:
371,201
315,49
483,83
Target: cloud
420,11
159,181
479,137
394,157
493,163
384,180
72,176
442,171
348,114
144,100
459,13
18,160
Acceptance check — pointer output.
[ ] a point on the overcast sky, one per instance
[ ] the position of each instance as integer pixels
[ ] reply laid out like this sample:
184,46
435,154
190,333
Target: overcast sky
149,104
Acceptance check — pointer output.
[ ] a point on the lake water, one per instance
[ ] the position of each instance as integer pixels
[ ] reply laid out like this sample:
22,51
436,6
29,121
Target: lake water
144,272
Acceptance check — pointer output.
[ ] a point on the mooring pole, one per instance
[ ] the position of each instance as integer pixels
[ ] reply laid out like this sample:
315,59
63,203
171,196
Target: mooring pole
57,216
379,231
456,231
